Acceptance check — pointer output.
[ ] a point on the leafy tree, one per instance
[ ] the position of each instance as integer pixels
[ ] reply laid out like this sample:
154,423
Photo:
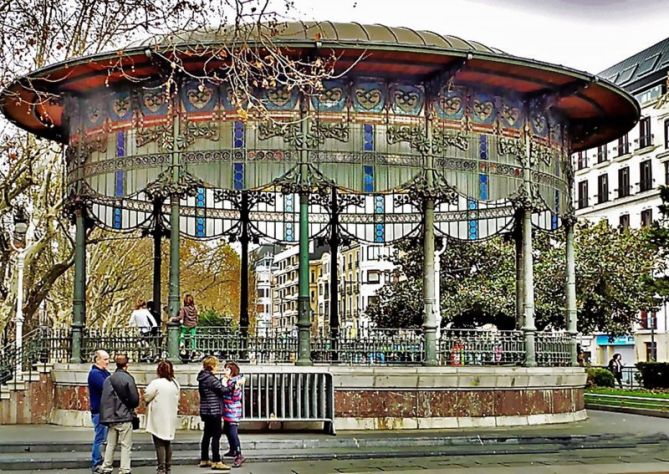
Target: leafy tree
659,239
478,281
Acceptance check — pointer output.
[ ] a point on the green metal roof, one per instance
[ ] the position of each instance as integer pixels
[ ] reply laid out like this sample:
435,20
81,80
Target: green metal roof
328,33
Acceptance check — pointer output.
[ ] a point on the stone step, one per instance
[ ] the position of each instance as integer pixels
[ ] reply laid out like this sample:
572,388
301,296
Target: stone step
4,393
191,442
34,461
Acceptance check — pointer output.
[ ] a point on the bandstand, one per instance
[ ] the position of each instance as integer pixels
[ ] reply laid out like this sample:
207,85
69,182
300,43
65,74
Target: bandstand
418,135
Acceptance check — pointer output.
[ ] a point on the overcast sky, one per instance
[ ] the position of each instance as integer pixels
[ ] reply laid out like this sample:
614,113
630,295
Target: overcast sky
590,35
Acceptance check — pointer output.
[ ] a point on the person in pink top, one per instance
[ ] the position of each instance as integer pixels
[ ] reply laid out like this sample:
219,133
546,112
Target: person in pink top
232,411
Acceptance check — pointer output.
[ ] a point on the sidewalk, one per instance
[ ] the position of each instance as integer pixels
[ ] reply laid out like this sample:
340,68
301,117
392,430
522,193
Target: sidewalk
54,447
598,423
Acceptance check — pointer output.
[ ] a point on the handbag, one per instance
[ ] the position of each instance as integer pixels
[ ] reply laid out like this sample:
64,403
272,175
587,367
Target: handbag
135,422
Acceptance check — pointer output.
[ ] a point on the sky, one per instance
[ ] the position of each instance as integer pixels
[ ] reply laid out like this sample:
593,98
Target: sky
590,35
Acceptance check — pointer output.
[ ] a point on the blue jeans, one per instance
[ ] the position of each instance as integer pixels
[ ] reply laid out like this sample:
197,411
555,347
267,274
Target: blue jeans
100,437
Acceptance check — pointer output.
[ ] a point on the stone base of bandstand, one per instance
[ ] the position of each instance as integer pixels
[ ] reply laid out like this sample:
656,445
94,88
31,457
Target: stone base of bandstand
380,398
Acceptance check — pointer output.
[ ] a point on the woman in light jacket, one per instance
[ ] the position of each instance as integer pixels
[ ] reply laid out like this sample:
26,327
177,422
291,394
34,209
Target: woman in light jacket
162,404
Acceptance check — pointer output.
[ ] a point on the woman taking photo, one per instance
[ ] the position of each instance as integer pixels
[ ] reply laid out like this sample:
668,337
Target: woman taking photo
162,404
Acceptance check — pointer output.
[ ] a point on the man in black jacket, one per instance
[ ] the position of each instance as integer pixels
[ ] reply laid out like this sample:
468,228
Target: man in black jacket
117,409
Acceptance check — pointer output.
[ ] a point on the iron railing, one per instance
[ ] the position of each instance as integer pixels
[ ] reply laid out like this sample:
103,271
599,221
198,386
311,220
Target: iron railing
353,346
553,349
480,347
369,346
38,350
137,345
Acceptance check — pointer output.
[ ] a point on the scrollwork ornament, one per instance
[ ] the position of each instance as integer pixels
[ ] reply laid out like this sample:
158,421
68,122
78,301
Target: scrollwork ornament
414,136
164,186
512,147
161,134
195,130
441,140
526,198
77,201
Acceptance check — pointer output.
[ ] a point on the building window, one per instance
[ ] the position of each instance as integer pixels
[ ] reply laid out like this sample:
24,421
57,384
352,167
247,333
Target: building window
646,217
602,188
624,221
373,253
648,320
666,133
582,160
623,145
582,194
666,172
645,137
373,276
651,350
602,154
623,182
646,176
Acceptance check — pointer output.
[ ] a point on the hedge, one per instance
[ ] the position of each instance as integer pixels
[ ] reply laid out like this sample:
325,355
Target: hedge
654,374
598,377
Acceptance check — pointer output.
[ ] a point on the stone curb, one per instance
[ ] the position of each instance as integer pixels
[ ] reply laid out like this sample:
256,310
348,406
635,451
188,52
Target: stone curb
188,452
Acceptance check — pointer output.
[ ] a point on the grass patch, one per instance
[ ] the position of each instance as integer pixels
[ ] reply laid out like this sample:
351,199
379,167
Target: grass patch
628,393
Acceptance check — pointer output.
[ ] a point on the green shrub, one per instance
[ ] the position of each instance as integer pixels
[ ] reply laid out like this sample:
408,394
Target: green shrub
211,317
654,374
598,377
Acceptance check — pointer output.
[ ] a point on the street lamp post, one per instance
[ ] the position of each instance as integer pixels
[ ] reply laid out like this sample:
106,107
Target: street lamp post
19,245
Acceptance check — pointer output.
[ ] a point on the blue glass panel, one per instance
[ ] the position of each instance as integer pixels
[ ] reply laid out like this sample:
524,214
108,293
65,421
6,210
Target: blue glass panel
290,232
200,202
120,144
380,233
238,134
368,137
119,182
368,183
483,187
483,147
118,220
473,224
554,216
379,204
290,203
238,176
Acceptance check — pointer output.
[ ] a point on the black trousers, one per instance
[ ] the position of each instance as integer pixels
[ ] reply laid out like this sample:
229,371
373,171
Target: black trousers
232,433
163,453
212,433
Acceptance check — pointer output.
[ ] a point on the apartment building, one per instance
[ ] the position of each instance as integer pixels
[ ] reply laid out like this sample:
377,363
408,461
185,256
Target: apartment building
619,182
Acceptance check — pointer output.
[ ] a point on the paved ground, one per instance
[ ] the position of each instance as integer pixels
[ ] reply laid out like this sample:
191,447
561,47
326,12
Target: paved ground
598,422
646,460
619,458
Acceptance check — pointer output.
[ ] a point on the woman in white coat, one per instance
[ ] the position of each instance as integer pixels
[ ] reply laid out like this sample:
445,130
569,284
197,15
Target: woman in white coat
162,404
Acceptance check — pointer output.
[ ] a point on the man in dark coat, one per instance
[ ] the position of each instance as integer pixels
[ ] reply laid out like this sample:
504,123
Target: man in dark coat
117,410
96,379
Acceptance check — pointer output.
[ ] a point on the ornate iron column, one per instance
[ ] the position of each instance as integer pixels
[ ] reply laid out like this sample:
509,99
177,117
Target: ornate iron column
334,242
429,297
520,290
572,314
157,234
303,309
244,267
79,299
528,270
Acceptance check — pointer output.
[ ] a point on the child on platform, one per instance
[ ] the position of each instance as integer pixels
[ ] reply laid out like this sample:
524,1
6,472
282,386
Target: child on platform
232,411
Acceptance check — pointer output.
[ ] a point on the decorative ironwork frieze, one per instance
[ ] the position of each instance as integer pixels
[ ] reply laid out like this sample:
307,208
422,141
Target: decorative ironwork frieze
441,140
195,130
164,185
414,136
419,191
512,147
292,134
161,134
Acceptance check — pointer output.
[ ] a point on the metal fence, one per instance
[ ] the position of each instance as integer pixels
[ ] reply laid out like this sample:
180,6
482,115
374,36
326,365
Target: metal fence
553,349
353,346
369,346
289,397
480,347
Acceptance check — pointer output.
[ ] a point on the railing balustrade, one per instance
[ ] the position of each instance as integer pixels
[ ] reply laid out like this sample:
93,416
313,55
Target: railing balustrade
553,349
363,345
480,347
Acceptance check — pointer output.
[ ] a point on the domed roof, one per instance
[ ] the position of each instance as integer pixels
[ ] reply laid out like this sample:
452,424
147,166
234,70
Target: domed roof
600,110
328,34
